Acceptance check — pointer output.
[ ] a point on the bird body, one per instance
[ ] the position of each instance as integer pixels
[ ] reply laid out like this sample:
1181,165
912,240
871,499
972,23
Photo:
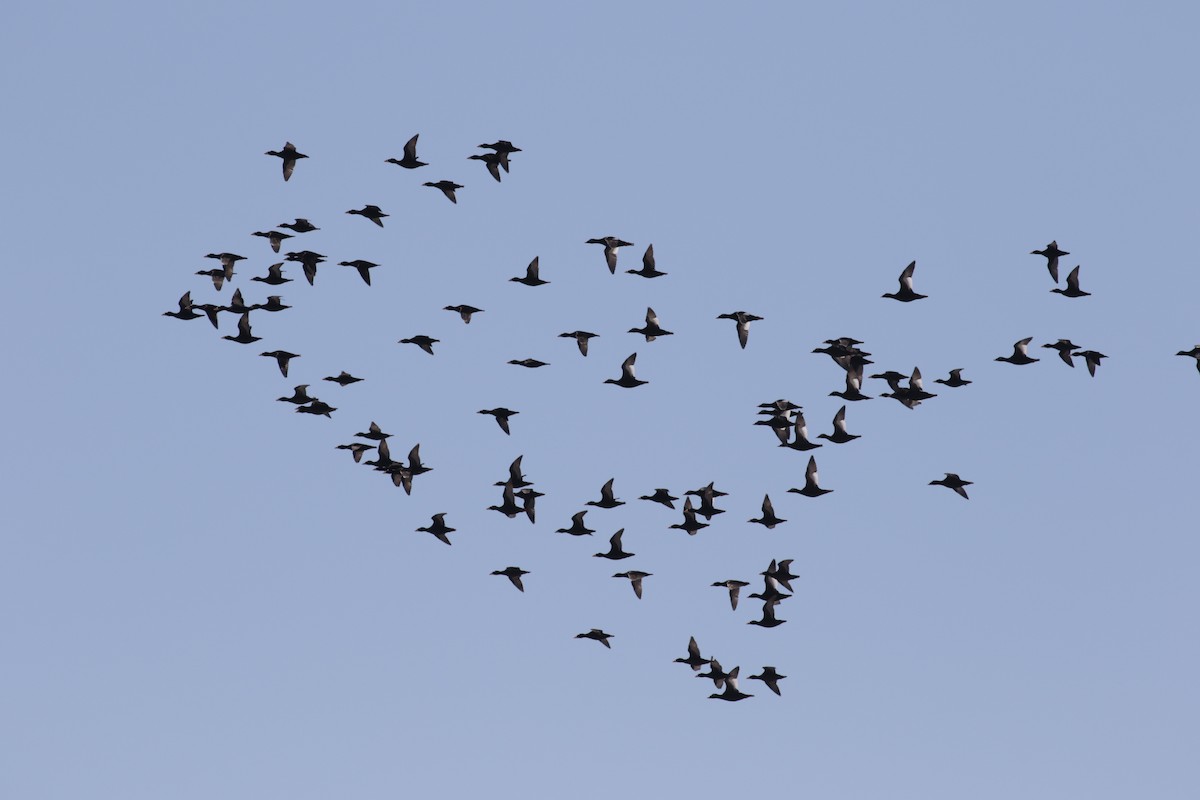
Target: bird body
611,245
289,154
952,481
627,380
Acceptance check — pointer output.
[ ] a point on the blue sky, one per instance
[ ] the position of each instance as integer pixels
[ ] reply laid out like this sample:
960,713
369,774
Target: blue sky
200,597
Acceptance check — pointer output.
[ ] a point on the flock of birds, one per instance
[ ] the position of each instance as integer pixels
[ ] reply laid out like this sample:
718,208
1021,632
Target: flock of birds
518,495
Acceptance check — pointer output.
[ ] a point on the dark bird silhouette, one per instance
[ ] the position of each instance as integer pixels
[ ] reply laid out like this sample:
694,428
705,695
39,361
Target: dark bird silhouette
317,407
734,587
597,635
244,336
513,574
274,276
274,303
770,677
274,238
781,573
374,432
660,496
611,245
364,268
648,270
464,311
581,339
770,593
1020,353
1092,359
1072,289
768,616
185,309
515,476
410,155
715,673
811,489
211,310
731,693
414,461
635,578
508,505
606,497
615,553
373,213
743,321
768,519
1052,254
529,363
308,261
343,379
438,527
652,329
446,187
529,499
853,390
282,357
694,659
840,434
299,396
1064,348
501,414
356,449
227,261
800,442
289,154
952,481
577,527
217,275
1193,353
237,304
707,495
906,293
422,341
690,523
301,225
503,150
531,275
491,160
955,380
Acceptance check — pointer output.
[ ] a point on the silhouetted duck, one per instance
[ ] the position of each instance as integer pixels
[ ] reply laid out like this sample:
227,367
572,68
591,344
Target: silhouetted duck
515,476
770,593
853,390
800,442
778,406
731,693
1020,353
611,245
906,293
414,461
373,213
581,339
1064,348
770,677
503,150
811,489
606,497
707,495
374,432
955,379
343,379
185,309
438,527
446,187
840,434
627,380
308,261
1072,289
781,573
529,363
491,160
1052,254
508,505
694,659
237,304
244,336
596,635
577,527
513,574
648,270
531,275
743,321
364,268
275,238
952,481
715,673
660,496
690,523
301,225
709,491
768,617
1193,353
652,329
282,357
289,155
217,275
422,341
529,498
635,578
299,396
316,407
1092,358
464,311
734,587
274,303
401,477
410,155
768,518
501,414
274,276
356,449
615,553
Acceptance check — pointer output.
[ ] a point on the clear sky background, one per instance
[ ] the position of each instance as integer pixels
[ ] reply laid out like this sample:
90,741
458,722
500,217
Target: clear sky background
200,597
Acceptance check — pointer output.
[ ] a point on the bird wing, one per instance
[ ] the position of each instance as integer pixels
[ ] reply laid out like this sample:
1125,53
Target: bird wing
410,148
906,277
